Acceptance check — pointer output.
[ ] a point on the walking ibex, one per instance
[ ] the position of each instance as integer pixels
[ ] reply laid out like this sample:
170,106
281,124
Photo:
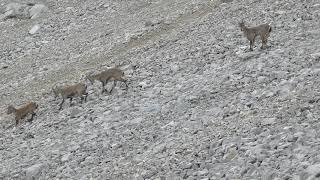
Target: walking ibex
251,33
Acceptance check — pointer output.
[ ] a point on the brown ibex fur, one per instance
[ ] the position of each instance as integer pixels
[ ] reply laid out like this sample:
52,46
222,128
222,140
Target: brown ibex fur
251,33
77,90
23,111
114,74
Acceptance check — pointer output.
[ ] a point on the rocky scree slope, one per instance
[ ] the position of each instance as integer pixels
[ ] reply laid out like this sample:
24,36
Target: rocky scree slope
200,106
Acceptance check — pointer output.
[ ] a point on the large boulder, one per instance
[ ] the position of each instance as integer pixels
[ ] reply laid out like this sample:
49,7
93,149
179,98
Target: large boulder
23,11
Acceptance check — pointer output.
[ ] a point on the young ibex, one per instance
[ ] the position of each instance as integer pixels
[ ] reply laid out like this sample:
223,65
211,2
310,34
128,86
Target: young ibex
114,74
77,90
23,111
251,33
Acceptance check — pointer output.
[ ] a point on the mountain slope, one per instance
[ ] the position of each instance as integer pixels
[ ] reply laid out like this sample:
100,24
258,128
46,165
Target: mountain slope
199,106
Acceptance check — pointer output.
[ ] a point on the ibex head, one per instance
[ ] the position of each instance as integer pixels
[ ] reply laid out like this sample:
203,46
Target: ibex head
241,25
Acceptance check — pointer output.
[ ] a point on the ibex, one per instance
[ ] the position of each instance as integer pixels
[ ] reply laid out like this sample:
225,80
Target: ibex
23,111
251,33
77,90
114,74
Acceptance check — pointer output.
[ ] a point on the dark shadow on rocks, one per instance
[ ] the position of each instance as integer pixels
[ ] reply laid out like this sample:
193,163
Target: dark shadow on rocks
226,1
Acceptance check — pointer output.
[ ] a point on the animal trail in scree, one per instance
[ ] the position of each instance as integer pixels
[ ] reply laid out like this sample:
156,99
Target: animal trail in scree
22,112
114,74
262,30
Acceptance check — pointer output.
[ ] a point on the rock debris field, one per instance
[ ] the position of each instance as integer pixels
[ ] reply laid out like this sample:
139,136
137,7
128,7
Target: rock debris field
200,105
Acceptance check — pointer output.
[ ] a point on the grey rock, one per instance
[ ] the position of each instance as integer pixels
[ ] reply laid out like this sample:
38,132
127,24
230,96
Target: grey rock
314,169
36,10
23,11
316,55
268,121
203,172
34,171
65,157
34,29
17,10
152,108
231,154
75,112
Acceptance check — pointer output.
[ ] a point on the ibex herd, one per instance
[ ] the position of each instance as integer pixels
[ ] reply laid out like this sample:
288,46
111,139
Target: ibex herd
115,74
71,91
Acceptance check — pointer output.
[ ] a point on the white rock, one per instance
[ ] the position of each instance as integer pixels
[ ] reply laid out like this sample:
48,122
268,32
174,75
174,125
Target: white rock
203,172
315,55
268,121
16,10
65,157
74,112
232,154
143,85
313,169
34,29
21,10
36,10
137,120
174,68
152,108
33,171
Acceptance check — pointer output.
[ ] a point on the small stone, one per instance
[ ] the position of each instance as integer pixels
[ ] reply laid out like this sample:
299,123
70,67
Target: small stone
143,85
36,10
244,171
117,108
268,121
316,5
34,29
2,16
34,171
137,120
247,55
65,157
315,55
174,68
232,153
187,166
152,108
74,112
203,172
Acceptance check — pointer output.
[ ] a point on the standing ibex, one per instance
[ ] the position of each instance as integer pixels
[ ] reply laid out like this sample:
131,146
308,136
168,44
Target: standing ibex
114,74
23,111
77,90
251,33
